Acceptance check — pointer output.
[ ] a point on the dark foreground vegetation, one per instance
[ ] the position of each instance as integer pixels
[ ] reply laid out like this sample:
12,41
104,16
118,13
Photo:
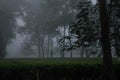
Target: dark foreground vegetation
53,69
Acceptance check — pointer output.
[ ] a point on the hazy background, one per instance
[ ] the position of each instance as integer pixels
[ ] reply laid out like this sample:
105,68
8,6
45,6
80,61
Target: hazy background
39,15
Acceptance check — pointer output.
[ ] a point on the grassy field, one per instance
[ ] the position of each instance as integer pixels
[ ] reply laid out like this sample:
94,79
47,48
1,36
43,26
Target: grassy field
47,61
50,62
32,61
52,69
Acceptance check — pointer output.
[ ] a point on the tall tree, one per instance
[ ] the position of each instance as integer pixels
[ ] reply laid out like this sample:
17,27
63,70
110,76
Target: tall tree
105,41
7,23
85,29
115,22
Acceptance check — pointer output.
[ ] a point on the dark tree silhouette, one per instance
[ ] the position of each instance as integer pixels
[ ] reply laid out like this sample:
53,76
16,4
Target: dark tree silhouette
84,32
105,41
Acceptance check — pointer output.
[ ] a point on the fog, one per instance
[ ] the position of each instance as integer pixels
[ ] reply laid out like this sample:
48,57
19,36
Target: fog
13,49
37,26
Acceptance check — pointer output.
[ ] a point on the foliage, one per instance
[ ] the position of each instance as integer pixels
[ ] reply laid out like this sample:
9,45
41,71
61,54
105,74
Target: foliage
44,17
85,30
115,23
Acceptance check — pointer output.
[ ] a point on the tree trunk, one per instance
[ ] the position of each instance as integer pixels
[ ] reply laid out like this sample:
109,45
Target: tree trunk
105,41
63,52
1,47
48,51
1,51
51,52
38,37
60,47
117,49
3,44
71,54
82,51
39,49
4,48
70,44
42,46
38,46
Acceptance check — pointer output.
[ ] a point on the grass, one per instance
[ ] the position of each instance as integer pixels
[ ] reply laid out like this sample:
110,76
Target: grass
51,68
48,61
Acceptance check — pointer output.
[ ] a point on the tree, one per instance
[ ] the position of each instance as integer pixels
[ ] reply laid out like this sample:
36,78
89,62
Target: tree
7,23
26,48
40,24
105,41
115,29
85,30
